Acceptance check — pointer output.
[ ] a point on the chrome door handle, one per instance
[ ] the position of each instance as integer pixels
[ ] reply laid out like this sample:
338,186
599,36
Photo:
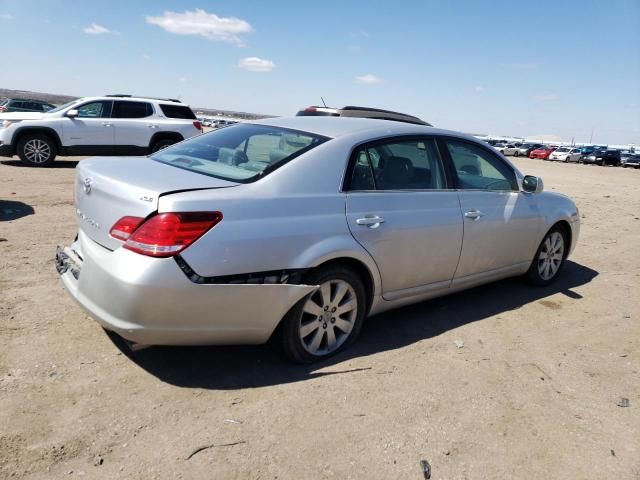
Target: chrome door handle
370,221
474,214
107,124
152,126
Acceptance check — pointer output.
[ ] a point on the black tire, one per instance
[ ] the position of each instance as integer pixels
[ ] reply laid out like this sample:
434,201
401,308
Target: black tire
289,328
160,144
37,150
516,153
533,275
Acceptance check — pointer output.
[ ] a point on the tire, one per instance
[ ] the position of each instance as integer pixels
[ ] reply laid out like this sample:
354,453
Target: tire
541,275
516,153
307,329
160,144
37,150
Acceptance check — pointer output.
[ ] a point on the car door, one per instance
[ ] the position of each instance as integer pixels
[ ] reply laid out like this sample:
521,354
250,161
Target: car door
400,209
501,223
131,128
574,155
91,128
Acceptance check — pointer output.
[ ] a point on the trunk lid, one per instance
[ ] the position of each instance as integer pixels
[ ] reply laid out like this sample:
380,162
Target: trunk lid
107,189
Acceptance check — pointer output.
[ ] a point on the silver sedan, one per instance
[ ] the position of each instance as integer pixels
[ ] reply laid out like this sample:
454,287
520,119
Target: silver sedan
299,228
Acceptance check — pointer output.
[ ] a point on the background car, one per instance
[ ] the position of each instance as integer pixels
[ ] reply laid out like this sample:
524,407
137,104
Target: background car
24,105
542,152
632,161
297,229
566,154
526,148
510,148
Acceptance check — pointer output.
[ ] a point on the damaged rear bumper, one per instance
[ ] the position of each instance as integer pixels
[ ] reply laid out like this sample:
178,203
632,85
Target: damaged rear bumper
151,301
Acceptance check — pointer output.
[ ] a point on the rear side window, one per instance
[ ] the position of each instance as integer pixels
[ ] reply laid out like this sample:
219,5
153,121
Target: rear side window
177,111
404,165
132,109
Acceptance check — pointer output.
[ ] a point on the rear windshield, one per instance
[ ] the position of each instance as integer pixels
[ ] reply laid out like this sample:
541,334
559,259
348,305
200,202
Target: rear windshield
316,113
242,153
177,111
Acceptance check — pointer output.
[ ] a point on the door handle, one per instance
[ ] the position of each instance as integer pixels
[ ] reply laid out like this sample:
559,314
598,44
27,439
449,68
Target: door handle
372,221
152,126
473,214
107,124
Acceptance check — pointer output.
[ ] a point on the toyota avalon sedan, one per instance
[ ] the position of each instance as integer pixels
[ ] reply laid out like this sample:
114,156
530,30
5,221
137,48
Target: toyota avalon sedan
297,229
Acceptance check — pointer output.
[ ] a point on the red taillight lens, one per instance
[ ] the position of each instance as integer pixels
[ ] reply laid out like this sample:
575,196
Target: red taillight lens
167,234
198,125
124,227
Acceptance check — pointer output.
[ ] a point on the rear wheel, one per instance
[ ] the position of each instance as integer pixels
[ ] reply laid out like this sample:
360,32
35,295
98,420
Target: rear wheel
37,150
516,153
160,144
549,258
326,321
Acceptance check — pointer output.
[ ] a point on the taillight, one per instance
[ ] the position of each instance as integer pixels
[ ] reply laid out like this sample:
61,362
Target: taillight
124,227
166,234
198,125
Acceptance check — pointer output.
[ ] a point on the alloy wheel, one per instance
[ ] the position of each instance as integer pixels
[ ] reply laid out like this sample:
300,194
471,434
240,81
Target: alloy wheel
37,151
328,317
551,256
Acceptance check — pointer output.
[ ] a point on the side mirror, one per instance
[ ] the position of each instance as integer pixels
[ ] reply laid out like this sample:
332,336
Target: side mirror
73,113
532,184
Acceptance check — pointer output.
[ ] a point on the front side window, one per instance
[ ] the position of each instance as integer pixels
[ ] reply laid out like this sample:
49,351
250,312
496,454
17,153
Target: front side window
242,153
400,165
478,169
101,109
132,109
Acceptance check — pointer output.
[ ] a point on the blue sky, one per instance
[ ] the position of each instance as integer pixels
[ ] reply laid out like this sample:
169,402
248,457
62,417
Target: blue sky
501,67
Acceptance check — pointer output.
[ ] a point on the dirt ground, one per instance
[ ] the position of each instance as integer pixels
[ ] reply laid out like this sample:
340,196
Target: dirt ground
533,393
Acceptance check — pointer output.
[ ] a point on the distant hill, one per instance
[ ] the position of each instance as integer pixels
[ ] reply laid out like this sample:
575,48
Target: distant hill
60,99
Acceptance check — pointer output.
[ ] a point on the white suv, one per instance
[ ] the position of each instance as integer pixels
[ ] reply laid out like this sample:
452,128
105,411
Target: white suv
109,125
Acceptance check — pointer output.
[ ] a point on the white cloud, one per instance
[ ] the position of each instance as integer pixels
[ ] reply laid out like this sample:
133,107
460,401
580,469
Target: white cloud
368,79
545,97
478,88
6,16
255,64
199,22
95,29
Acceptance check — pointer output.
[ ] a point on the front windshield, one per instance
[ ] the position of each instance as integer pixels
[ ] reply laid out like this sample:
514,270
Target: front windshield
62,107
562,149
242,153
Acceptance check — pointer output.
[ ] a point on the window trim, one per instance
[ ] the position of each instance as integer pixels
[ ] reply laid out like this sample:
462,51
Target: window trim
444,151
348,172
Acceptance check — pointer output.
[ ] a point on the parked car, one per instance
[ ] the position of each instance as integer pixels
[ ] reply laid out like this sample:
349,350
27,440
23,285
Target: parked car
511,149
109,125
526,148
632,161
542,153
500,147
299,228
604,157
625,155
566,154
24,105
360,112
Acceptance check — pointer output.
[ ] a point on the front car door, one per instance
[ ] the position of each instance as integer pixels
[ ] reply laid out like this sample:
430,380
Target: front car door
91,128
400,209
501,223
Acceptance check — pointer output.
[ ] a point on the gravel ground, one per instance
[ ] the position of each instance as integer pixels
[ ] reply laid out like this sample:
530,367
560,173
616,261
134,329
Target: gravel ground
533,393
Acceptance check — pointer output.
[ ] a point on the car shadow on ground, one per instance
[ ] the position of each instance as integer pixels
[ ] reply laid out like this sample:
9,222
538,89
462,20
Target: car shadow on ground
11,210
240,367
55,164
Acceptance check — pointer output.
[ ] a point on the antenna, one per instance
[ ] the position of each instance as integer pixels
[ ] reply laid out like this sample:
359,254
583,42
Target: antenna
325,105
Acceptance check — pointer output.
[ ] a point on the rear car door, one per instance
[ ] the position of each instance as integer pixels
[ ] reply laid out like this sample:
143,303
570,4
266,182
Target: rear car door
133,122
400,209
91,127
501,223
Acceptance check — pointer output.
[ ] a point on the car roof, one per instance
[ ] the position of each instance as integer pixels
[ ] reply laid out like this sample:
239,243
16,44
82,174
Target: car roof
341,126
126,98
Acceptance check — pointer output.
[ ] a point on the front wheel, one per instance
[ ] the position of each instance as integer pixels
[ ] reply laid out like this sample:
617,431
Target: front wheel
549,258
36,150
326,321
516,153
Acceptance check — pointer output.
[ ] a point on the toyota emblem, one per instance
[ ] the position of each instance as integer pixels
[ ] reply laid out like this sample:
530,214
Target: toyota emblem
87,185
